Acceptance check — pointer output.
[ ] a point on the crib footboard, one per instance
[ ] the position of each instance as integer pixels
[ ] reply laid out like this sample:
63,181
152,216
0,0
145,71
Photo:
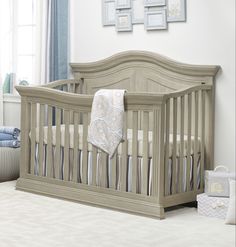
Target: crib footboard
57,160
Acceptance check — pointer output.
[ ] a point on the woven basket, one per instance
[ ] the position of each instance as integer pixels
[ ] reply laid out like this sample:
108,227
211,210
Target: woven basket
9,163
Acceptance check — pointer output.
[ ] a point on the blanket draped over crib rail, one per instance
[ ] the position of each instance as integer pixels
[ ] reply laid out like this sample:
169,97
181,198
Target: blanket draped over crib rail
107,117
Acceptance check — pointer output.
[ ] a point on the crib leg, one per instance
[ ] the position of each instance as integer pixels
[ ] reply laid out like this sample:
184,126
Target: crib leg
161,212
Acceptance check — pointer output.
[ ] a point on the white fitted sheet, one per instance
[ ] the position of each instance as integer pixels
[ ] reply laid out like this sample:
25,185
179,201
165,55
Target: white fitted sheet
129,137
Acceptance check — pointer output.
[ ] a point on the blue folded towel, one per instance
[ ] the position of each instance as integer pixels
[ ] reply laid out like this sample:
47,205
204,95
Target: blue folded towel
10,130
4,137
10,143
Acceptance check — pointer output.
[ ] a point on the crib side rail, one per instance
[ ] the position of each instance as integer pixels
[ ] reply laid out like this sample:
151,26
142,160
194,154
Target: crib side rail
186,135
45,107
67,85
64,97
187,90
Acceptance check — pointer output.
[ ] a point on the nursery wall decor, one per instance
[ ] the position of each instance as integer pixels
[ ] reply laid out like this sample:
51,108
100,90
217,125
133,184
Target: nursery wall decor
154,14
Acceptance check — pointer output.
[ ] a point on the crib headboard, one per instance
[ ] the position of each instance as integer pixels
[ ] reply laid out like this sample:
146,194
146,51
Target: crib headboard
141,71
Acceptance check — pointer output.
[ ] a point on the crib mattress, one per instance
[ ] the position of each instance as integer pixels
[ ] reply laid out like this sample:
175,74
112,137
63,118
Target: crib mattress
129,138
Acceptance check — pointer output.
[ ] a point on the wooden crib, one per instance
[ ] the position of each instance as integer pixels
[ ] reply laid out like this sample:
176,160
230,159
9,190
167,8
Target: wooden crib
169,134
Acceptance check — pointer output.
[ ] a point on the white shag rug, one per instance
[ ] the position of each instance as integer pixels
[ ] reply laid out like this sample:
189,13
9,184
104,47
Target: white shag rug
31,220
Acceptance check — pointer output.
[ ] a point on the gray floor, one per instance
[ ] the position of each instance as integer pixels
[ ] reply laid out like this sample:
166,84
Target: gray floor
32,220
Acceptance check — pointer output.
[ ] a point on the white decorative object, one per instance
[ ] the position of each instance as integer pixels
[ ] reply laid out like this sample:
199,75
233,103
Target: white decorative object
123,21
155,19
176,10
217,181
151,3
212,206
231,213
123,4
108,13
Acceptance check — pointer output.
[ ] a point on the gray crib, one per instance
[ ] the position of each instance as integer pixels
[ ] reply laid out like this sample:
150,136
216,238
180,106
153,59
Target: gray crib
169,134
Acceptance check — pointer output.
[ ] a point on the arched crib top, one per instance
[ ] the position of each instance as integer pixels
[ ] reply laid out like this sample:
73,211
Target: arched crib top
142,71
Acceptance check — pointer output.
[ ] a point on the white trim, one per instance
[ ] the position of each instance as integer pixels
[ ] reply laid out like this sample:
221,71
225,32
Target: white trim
39,40
13,40
1,104
10,98
14,37
5,99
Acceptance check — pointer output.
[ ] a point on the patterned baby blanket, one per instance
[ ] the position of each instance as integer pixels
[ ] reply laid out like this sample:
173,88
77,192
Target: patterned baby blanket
107,115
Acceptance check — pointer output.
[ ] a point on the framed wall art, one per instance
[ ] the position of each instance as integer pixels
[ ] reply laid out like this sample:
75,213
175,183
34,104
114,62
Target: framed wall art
155,19
137,12
123,21
176,10
108,13
154,14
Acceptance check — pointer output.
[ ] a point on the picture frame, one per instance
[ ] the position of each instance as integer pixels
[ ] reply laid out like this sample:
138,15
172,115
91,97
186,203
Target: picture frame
153,3
155,19
123,4
154,14
108,13
124,21
137,12
176,10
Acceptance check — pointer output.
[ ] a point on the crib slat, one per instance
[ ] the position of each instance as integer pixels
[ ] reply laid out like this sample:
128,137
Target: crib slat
70,89
145,153
195,159
71,117
167,137
58,144
202,160
104,171
181,155
85,150
73,88
174,146
123,172
33,137
77,88
94,165
41,139
134,151
113,172
158,184
189,141
76,148
49,143
66,147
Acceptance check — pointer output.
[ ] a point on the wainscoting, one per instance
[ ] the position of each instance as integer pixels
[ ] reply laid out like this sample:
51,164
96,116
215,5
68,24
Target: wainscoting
10,110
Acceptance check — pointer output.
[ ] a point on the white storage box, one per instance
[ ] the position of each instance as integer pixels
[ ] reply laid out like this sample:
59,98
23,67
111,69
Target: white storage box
212,206
217,181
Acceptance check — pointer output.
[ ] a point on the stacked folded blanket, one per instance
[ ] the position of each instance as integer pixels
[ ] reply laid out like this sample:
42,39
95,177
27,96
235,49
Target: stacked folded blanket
9,137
